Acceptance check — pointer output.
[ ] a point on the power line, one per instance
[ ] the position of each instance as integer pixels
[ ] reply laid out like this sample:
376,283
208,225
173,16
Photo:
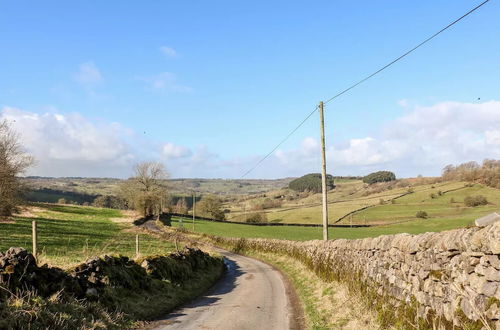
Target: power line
279,144
408,52
362,81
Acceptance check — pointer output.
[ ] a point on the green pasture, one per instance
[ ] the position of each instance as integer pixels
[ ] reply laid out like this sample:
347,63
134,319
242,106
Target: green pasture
71,234
349,197
416,226
447,206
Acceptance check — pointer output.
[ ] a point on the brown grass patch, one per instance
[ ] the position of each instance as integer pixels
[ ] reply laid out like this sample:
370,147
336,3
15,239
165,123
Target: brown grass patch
128,216
7,220
29,212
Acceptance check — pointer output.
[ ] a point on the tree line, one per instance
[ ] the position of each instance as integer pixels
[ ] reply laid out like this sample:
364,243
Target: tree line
311,182
488,173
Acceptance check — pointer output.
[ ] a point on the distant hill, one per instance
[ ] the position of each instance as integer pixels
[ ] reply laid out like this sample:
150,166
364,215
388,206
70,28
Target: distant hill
76,189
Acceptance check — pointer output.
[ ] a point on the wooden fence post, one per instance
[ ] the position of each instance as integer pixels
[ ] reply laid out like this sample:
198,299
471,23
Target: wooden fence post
34,236
137,251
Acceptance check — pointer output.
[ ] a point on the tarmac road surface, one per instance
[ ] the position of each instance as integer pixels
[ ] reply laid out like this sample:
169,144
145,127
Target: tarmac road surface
251,295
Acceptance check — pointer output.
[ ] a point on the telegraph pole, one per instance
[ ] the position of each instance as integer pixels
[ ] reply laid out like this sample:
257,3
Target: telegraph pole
323,173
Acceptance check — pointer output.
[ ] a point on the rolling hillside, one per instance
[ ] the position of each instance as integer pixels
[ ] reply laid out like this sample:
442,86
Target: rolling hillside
440,200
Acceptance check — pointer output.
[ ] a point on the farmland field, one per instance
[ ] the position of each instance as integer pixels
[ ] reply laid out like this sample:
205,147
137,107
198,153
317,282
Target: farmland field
416,226
71,234
444,206
385,207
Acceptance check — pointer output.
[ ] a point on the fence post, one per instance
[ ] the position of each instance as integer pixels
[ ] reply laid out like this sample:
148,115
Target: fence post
34,236
137,251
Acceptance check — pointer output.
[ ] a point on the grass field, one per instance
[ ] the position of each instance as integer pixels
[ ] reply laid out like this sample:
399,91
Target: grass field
447,206
309,233
351,196
70,234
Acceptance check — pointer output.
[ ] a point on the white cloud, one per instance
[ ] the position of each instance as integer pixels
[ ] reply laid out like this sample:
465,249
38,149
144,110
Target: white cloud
492,137
172,151
88,74
70,145
169,51
165,82
422,141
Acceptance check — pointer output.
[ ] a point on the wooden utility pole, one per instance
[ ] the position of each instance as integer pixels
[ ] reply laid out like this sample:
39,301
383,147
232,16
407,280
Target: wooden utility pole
323,172
34,235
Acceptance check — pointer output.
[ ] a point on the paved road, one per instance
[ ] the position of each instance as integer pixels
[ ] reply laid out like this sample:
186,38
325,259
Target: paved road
251,295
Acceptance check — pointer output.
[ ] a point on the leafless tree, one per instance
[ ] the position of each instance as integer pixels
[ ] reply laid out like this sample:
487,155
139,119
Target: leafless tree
488,173
146,191
13,162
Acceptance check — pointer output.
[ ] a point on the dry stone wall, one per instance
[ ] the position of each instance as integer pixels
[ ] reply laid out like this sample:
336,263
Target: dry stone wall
452,274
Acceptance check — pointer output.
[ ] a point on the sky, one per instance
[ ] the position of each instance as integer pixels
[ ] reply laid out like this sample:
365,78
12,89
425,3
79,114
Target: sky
210,87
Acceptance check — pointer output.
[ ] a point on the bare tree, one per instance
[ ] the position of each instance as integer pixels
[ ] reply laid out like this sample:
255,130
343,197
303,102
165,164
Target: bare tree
488,173
146,191
13,162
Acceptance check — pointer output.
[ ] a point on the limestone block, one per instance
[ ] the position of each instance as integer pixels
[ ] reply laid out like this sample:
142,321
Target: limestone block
493,260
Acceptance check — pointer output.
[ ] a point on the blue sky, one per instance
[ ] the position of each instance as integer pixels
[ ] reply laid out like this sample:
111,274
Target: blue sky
209,87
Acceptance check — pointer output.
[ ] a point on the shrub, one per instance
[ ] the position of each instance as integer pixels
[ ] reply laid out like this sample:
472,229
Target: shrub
257,217
311,182
61,201
475,200
210,206
109,201
381,201
422,215
380,176
267,203
432,195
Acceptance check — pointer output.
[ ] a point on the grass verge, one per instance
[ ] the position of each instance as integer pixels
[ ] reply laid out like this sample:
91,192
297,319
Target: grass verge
327,305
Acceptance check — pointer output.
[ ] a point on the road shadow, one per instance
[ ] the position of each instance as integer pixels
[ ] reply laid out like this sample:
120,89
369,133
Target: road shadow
226,284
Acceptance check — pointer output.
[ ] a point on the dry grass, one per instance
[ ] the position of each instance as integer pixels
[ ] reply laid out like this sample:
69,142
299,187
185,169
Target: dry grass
128,216
327,305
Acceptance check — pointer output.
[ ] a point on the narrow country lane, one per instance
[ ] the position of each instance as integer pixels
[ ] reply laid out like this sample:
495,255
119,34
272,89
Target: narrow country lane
251,295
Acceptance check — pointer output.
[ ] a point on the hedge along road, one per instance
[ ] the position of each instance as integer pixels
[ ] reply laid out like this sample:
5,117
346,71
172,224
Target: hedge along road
251,295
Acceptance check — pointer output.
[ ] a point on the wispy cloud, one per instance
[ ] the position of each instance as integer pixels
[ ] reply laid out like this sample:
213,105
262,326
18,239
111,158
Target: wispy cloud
165,82
169,52
88,74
